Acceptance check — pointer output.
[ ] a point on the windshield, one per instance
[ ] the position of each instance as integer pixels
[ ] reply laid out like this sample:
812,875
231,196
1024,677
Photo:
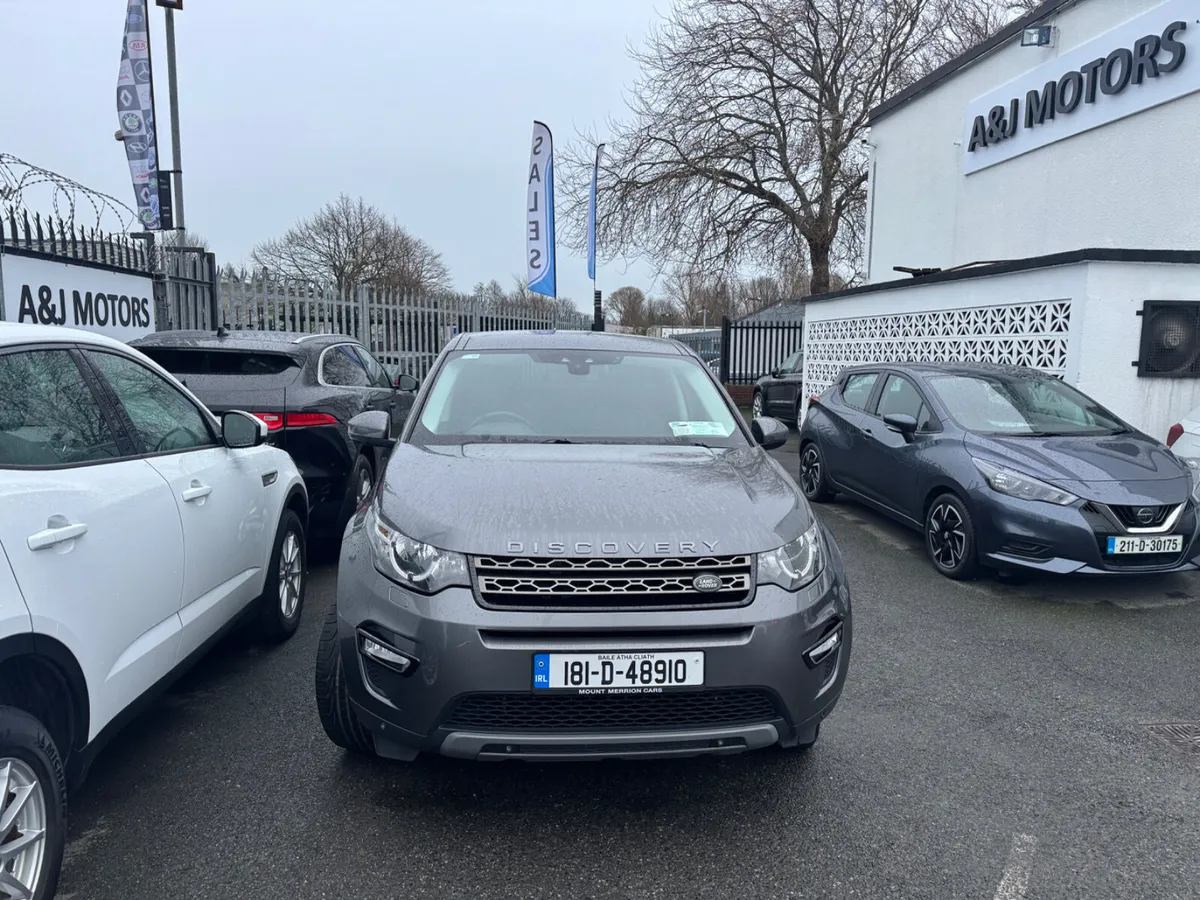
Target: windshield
1032,405
576,396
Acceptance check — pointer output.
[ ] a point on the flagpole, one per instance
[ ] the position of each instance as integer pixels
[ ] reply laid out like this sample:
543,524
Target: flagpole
597,310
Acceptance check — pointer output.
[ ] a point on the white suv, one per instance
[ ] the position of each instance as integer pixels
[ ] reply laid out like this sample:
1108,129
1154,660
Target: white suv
135,529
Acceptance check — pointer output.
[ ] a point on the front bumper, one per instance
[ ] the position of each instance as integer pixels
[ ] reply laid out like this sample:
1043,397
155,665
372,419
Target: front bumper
1069,539
470,693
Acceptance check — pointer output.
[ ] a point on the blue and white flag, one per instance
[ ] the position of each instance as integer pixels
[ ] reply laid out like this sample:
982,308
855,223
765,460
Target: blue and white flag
135,111
539,228
591,234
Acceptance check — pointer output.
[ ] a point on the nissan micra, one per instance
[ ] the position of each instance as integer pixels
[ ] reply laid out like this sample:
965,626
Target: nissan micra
579,550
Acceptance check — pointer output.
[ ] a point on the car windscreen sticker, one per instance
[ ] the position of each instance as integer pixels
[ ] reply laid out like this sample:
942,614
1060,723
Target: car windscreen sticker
470,356
699,429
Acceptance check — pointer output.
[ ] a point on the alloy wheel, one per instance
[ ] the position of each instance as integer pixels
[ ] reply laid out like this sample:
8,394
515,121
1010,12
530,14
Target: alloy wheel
810,471
23,820
290,575
756,407
364,488
947,536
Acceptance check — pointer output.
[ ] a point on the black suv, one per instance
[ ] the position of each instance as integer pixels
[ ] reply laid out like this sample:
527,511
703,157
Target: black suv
306,387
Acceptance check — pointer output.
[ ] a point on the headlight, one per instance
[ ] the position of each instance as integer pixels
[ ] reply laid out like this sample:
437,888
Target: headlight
1025,487
415,565
795,564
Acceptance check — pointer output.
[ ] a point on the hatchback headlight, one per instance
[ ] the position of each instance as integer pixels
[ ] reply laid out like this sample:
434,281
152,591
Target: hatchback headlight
412,563
795,564
1022,486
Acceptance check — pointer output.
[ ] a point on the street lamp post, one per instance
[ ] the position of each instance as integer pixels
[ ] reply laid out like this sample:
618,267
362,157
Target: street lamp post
169,7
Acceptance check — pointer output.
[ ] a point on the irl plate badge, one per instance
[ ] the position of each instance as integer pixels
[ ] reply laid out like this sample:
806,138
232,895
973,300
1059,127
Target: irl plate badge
541,670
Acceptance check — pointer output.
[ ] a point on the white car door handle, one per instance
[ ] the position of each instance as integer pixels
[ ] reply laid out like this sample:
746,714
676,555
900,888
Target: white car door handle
197,491
51,536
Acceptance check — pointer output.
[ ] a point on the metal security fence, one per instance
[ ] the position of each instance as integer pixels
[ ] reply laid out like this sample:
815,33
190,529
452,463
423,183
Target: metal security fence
404,330
750,349
189,288
706,343
52,236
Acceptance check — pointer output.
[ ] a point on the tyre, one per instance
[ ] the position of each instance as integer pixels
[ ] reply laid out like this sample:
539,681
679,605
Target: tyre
756,405
333,700
33,807
287,578
814,481
359,483
950,538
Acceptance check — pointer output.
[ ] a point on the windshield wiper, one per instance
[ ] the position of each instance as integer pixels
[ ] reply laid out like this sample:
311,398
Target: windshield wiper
557,441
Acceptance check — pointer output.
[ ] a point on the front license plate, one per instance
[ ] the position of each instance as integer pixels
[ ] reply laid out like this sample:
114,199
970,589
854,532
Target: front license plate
1170,543
617,673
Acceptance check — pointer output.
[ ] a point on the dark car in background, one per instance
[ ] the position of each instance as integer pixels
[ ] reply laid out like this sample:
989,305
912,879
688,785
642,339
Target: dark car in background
306,387
778,394
1004,467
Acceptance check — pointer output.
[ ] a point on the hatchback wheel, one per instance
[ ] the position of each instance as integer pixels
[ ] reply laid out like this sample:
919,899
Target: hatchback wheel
813,480
756,406
950,538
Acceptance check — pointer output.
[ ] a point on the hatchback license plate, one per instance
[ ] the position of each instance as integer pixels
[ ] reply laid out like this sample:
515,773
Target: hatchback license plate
1171,543
608,673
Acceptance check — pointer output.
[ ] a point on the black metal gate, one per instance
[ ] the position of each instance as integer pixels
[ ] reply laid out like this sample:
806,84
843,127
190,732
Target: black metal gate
750,350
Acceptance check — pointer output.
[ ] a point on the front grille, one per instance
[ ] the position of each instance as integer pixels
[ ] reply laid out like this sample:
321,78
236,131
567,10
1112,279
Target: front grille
1128,515
613,712
513,582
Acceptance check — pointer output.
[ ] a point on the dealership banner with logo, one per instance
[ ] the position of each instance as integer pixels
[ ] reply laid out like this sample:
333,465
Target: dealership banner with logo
135,111
39,291
539,227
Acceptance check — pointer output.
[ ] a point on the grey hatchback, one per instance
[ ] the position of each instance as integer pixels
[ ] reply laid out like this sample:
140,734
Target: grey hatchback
1003,467
578,550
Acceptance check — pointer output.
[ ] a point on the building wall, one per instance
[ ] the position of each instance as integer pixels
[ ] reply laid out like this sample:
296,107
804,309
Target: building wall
1077,321
1132,183
1110,330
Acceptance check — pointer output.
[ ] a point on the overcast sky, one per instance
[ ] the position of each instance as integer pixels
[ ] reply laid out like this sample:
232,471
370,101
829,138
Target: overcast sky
423,107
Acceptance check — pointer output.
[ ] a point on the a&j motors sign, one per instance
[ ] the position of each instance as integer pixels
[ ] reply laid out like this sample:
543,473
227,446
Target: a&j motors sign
1140,64
45,292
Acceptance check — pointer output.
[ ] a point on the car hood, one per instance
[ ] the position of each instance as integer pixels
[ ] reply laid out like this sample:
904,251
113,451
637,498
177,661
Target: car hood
1122,468
591,500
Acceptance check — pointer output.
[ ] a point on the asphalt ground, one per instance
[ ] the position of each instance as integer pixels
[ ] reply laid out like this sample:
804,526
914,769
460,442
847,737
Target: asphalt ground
992,742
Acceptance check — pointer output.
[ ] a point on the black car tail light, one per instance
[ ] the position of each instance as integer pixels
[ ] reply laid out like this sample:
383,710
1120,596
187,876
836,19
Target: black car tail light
276,421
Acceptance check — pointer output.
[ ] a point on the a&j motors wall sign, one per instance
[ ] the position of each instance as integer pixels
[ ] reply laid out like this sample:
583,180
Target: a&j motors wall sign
1140,64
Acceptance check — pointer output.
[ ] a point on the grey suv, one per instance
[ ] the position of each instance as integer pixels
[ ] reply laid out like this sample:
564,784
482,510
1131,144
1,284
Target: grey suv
578,550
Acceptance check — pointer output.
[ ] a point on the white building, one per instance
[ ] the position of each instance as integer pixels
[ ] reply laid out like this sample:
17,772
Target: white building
1070,171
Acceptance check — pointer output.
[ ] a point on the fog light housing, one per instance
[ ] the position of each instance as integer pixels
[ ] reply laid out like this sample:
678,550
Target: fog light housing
373,648
824,648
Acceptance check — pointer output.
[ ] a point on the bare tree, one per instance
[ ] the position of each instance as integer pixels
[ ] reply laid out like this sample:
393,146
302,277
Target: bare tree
626,306
743,141
352,242
966,23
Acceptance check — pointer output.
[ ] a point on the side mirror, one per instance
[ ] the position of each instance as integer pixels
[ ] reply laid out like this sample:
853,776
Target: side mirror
903,424
240,430
406,382
372,428
769,432
777,373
